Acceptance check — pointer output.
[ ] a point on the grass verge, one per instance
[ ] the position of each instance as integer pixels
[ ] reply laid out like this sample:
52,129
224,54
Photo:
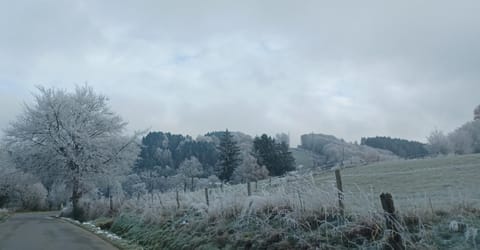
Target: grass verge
4,214
282,229
96,228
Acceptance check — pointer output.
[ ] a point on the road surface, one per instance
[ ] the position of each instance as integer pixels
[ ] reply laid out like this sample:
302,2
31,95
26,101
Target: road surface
32,231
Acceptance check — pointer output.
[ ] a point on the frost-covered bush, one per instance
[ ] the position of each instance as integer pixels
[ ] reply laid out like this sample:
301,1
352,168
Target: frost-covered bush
20,190
299,198
58,195
466,139
33,197
91,208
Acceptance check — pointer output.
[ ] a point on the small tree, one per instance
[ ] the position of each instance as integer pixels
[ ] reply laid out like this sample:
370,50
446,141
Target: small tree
438,143
282,137
228,157
286,160
275,156
189,169
72,136
249,170
461,141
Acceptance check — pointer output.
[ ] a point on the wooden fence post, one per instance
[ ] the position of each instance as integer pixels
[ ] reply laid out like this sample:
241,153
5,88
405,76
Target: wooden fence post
249,188
178,199
206,196
340,193
111,203
394,241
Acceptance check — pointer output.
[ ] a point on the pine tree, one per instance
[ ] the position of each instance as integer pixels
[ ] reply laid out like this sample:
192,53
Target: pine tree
285,160
275,156
228,157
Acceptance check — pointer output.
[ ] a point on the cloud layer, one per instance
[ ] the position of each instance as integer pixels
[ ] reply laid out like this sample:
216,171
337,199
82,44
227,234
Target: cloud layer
349,69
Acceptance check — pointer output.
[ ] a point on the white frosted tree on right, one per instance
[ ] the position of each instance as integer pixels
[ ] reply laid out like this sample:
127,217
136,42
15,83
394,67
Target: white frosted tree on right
438,143
476,113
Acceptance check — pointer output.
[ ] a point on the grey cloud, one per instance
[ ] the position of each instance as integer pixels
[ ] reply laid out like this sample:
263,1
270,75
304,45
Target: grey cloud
351,69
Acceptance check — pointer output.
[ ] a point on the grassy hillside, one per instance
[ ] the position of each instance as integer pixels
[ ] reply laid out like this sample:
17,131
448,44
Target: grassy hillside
306,158
437,182
300,211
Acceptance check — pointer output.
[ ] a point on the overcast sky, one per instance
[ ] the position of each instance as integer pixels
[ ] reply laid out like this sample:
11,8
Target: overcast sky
347,68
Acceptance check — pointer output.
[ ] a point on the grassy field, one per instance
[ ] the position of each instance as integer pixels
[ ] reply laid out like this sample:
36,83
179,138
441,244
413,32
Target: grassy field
433,183
300,211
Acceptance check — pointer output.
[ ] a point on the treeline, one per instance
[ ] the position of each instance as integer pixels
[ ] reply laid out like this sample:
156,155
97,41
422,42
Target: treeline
463,140
334,151
164,152
229,156
403,148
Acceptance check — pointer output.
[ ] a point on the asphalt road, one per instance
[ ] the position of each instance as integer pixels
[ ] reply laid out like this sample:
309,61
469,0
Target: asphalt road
32,231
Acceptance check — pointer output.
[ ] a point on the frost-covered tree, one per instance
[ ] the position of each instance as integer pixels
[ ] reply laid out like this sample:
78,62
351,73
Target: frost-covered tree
438,143
275,156
282,137
249,170
19,189
476,113
7,178
461,142
133,186
72,136
58,195
466,139
189,169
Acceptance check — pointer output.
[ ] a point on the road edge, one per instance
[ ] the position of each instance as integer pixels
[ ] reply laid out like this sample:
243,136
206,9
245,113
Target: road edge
120,244
5,215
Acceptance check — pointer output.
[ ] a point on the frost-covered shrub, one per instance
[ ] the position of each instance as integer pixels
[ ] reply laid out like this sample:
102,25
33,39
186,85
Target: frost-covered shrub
58,195
95,209
67,211
21,191
33,197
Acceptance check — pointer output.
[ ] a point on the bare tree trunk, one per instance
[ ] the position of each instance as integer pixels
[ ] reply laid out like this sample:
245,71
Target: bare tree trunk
191,187
109,196
76,194
49,193
111,204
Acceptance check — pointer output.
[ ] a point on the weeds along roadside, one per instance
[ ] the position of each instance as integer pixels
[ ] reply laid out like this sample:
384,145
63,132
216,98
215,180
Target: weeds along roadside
4,214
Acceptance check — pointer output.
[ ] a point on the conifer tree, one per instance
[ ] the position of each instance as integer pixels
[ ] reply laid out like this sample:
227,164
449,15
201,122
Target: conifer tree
228,157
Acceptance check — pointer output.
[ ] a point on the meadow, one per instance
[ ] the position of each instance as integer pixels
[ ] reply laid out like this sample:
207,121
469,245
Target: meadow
436,183
301,211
